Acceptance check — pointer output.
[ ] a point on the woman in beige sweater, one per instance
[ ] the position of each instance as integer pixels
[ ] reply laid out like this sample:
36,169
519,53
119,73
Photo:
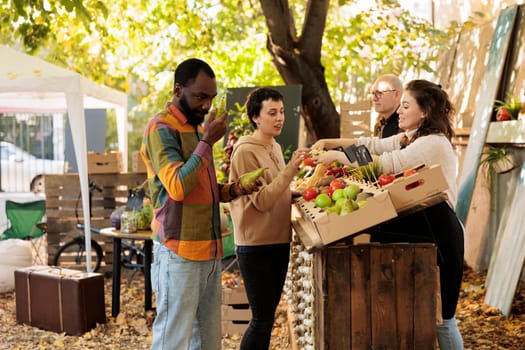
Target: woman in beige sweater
261,221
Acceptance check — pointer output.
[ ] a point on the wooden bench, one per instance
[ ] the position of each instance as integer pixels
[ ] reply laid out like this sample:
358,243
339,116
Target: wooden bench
62,194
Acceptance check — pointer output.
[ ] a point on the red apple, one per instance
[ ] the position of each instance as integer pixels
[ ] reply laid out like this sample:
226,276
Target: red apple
385,179
502,115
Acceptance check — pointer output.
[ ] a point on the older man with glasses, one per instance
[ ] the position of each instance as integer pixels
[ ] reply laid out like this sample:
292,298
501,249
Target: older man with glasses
386,97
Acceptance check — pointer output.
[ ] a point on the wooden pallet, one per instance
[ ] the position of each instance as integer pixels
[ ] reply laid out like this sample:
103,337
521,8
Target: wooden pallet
62,194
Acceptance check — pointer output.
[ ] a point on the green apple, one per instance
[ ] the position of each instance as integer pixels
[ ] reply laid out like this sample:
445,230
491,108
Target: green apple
323,200
351,191
339,202
338,193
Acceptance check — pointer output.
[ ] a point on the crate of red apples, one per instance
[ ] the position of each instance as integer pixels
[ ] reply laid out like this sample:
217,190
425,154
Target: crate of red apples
414,186
336,202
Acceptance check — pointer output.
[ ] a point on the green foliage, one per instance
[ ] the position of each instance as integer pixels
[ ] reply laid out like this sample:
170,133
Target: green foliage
381,39
512,104
134,45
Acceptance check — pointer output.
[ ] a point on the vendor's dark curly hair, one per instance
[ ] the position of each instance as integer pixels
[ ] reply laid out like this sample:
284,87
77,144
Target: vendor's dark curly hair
435,104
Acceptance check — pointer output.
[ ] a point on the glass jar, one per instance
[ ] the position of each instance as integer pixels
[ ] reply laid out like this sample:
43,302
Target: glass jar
128,221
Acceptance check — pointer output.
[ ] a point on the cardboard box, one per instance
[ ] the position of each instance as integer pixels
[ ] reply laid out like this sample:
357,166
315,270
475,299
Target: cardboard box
137,164
234,296
408,191
325,229
59,300
104,163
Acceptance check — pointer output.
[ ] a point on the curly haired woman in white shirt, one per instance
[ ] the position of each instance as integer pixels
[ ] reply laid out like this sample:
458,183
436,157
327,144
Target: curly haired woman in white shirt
425,114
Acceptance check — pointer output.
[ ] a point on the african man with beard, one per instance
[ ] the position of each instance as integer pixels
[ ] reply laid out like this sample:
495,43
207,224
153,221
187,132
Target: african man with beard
186,271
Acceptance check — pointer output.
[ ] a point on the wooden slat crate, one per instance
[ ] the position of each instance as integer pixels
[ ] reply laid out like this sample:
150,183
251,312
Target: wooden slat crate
137,164
366,296
236,313
62,194
355,119
104,163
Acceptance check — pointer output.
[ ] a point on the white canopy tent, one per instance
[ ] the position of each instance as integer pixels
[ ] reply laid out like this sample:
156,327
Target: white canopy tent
30,84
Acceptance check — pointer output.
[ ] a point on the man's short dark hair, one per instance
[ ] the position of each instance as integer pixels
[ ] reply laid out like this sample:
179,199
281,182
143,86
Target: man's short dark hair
188,70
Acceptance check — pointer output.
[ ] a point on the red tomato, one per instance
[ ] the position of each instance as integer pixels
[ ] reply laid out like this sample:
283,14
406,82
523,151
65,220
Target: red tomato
502,115
309,161
409,172
336,184
385,179
310,194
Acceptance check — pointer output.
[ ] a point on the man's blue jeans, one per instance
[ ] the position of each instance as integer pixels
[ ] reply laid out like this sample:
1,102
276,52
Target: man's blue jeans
188,302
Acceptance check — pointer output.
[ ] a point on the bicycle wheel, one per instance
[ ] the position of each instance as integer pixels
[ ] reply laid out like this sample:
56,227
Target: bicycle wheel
72,255
132,255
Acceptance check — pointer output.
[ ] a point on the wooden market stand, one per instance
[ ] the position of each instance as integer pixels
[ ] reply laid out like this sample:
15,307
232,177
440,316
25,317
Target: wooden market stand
363,296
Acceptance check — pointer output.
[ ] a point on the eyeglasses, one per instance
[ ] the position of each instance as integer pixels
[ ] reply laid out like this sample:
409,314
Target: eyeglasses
378,94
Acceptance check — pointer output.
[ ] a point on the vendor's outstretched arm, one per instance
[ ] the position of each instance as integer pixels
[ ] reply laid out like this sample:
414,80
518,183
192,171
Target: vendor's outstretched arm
329,157
333,143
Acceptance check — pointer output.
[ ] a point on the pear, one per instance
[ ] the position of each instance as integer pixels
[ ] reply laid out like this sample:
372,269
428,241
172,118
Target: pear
334,209
221,106
248,179
347,207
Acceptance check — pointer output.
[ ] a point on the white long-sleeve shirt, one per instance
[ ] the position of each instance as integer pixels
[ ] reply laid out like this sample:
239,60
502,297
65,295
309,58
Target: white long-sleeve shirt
429,150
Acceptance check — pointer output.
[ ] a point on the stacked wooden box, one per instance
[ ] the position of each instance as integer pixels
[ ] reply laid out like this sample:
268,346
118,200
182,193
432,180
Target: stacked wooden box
236,313
137,164
62,195
104,163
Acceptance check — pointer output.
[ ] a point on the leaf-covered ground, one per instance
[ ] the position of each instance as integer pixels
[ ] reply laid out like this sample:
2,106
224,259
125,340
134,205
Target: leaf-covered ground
482,326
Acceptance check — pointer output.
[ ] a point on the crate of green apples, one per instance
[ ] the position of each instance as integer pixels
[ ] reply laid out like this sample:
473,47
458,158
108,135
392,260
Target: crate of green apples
345,207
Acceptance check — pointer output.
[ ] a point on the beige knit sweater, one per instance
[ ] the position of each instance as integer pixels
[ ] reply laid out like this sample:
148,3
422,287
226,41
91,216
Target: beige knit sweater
263,217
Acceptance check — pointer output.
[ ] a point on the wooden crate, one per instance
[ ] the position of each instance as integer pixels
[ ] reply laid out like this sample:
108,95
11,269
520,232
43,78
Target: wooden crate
235,310
375,296
62,194
104,163
355,119
137,164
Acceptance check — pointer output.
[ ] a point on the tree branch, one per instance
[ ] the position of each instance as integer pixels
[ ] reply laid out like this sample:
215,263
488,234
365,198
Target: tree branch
278,20
312,36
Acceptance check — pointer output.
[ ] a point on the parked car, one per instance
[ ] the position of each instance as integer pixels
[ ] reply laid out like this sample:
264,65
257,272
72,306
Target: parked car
22,171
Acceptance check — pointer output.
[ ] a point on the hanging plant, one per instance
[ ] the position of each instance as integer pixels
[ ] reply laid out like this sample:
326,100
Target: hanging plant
497,160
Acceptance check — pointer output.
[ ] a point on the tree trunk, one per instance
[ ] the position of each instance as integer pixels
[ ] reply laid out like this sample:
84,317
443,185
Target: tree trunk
298,60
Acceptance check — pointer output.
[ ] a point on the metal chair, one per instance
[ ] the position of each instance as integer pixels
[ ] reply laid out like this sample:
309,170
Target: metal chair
25,221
